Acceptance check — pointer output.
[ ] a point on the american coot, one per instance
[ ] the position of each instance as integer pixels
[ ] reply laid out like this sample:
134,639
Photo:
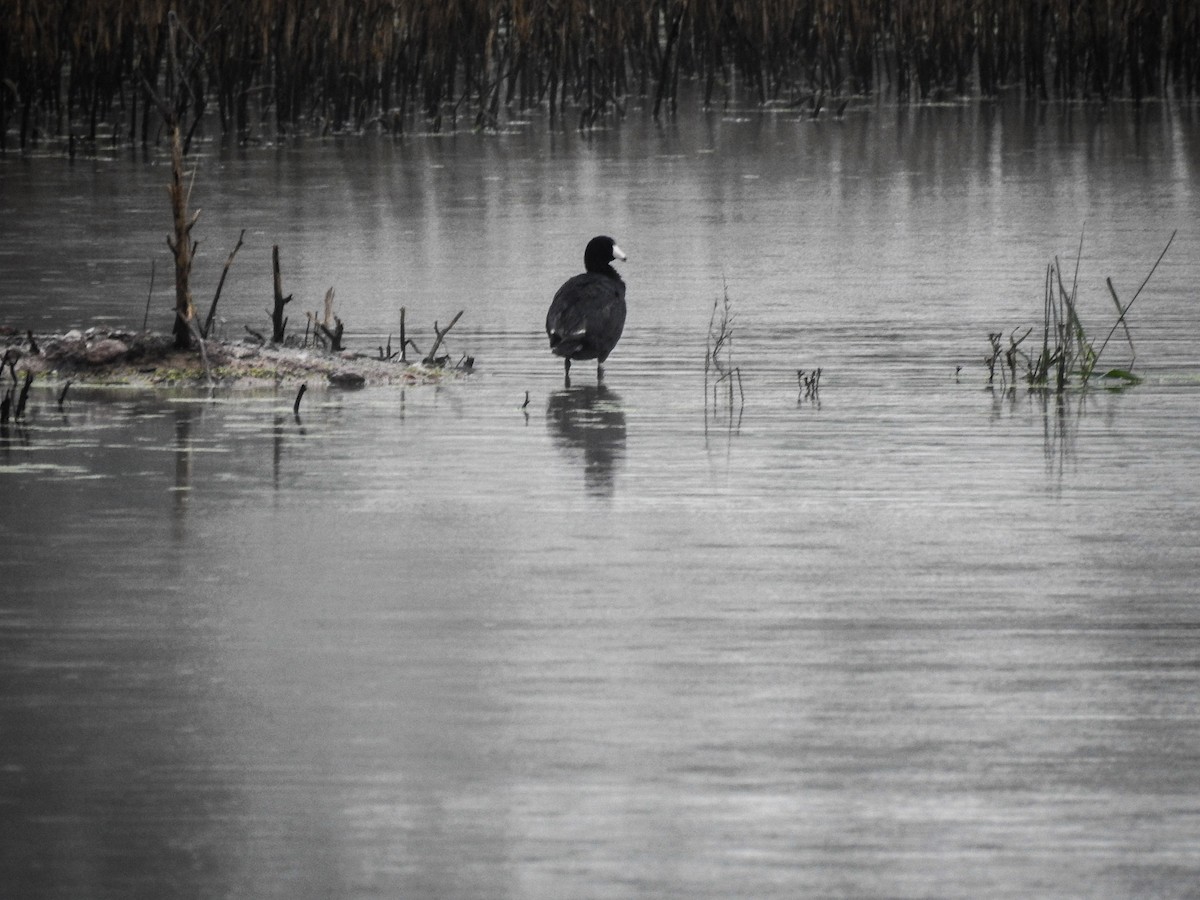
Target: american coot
587,314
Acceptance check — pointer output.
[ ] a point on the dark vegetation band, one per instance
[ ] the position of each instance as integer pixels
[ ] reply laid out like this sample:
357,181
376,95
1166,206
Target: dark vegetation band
88,68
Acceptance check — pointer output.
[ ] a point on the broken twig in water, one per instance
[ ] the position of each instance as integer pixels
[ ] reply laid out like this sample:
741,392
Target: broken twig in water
278,322
24,396
432,358
319,326
333,335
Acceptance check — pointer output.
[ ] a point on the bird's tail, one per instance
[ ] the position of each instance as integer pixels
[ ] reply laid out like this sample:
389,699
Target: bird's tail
561,346
566,344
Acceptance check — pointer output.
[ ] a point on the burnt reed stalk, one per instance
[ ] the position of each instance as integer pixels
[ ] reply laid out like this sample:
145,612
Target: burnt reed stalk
87,68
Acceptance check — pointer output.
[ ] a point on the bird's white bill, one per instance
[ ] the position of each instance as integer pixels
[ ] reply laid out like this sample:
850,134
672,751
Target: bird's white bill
618,253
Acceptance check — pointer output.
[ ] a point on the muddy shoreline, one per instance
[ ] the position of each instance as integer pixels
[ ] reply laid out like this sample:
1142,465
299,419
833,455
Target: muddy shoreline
102,356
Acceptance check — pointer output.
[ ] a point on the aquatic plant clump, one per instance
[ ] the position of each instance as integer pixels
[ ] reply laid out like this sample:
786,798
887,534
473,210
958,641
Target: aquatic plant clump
89,70
1068,355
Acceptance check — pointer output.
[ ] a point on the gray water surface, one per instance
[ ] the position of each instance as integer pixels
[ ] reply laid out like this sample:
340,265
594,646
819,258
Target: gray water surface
917,638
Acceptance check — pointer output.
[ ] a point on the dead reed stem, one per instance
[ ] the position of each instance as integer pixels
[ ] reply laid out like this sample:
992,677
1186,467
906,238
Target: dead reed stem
1123,310
719,370
212,309
278,321
182,247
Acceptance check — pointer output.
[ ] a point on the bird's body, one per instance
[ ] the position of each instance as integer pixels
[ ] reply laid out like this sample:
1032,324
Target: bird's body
587,315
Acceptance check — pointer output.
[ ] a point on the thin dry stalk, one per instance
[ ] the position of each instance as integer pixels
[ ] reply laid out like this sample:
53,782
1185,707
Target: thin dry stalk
1123,310
212,309
719,370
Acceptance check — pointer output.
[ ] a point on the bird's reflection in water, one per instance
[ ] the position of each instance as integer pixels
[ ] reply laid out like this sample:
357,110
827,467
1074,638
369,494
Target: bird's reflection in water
590,420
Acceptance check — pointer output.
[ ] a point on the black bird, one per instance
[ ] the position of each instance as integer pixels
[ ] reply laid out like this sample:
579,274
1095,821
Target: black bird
587,315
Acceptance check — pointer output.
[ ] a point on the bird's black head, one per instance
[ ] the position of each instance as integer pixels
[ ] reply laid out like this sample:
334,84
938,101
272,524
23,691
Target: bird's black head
599,253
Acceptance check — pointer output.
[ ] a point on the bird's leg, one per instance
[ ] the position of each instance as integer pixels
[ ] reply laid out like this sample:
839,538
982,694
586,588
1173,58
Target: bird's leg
599,373
567,372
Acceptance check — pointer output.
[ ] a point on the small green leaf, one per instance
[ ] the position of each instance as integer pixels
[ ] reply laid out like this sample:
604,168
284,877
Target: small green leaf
1122,375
